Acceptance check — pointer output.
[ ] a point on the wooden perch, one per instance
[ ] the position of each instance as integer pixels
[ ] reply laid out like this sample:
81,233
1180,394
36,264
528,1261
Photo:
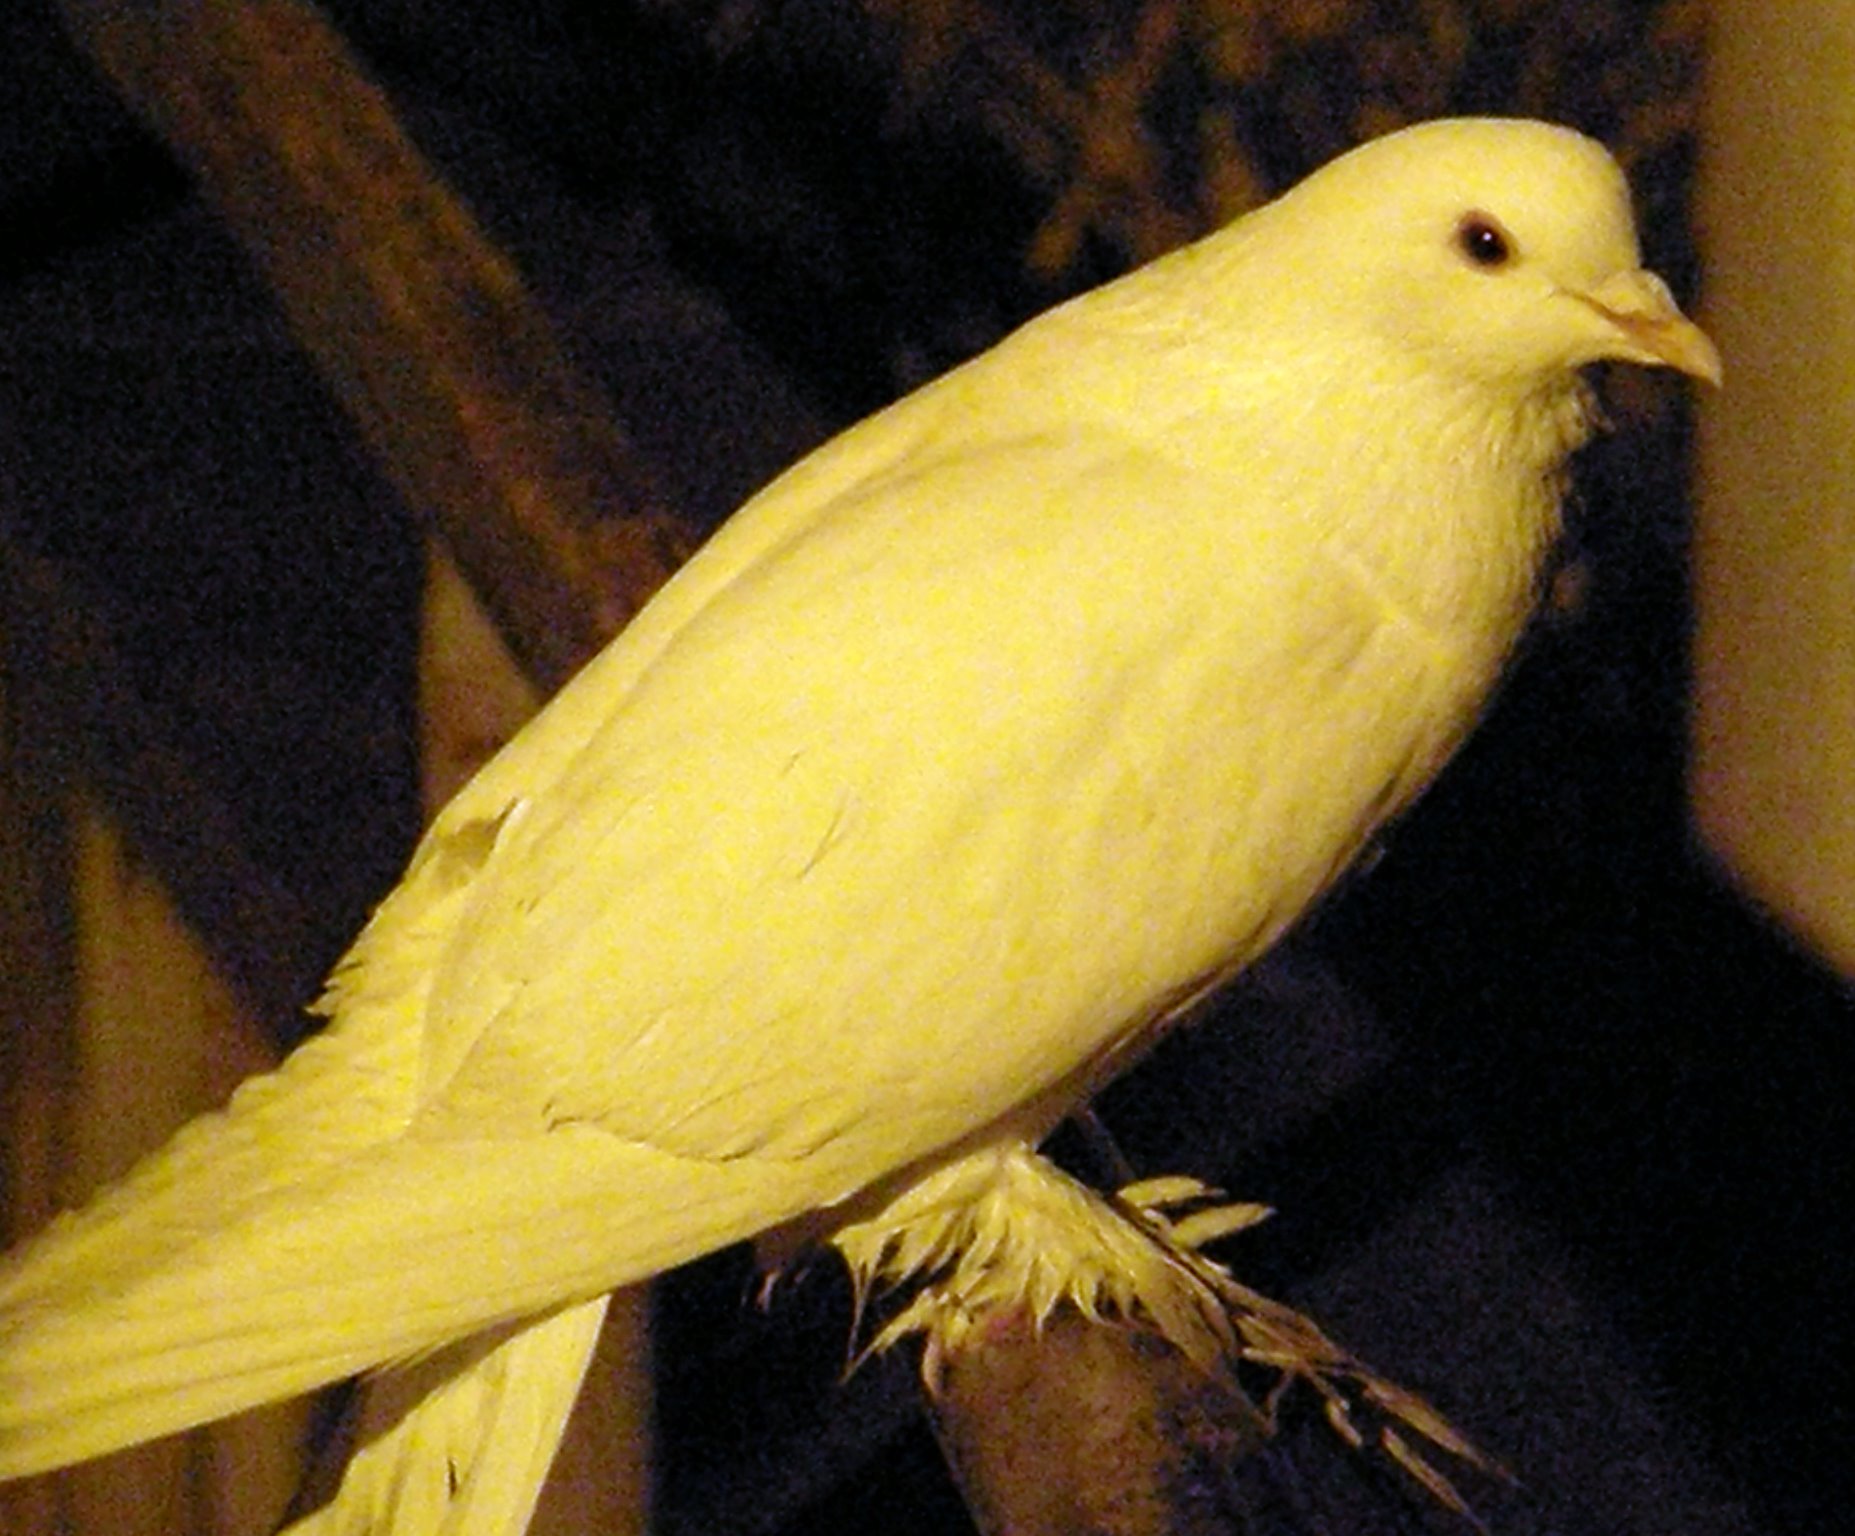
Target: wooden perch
1077,1427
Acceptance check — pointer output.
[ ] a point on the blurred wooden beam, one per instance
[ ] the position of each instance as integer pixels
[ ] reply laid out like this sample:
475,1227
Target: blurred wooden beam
420,325
84,711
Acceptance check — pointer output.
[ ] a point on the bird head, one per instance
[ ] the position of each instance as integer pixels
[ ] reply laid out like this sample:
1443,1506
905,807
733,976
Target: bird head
1502,252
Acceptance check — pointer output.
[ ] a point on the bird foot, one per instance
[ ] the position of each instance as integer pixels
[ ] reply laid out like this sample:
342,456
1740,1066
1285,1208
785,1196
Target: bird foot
1364,1408
1003,1231
1004,1228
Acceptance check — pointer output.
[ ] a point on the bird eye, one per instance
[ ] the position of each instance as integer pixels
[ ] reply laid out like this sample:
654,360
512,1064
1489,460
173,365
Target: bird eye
1482,240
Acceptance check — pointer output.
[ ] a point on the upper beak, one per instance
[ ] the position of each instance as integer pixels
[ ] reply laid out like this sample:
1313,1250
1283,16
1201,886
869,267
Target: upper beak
1652,328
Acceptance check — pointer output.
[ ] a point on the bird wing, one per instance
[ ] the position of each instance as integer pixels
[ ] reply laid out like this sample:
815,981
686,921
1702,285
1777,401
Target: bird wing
947,846
355,1086
335,1107
788,892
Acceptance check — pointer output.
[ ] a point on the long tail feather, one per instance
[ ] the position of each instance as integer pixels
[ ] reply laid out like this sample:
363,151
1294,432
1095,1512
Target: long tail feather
460,1445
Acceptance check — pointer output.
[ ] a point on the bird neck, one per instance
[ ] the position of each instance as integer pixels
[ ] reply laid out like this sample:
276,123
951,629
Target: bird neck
1458,506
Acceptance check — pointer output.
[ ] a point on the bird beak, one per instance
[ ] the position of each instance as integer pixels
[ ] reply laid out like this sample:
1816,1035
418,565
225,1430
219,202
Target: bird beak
1651,326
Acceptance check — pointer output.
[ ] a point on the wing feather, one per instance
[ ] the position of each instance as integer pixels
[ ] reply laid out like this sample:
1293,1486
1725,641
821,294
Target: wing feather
793,946
397,1252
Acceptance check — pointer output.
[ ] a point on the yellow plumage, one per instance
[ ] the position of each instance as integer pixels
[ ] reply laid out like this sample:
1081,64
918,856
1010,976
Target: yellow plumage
965,755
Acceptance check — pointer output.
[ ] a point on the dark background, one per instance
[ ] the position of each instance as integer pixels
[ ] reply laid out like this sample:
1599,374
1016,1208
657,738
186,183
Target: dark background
1550,1116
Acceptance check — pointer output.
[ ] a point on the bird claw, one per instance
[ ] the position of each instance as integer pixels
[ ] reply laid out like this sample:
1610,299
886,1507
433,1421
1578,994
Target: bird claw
1207,1215
1005,1229
1278,1338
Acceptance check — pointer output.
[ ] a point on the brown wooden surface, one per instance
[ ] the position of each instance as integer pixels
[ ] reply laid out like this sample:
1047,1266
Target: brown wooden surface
422,327
1077,1427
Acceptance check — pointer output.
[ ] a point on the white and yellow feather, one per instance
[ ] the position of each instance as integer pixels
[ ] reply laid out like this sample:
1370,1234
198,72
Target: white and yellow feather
911,809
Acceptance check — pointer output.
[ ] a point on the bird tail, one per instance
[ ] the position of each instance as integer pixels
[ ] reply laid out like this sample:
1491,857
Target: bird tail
459,1445
397,1251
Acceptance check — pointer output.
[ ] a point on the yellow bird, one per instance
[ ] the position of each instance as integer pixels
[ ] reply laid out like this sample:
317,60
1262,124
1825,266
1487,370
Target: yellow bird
964,756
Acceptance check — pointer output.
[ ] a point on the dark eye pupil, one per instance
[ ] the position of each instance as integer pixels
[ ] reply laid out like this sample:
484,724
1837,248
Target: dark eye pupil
1482,242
